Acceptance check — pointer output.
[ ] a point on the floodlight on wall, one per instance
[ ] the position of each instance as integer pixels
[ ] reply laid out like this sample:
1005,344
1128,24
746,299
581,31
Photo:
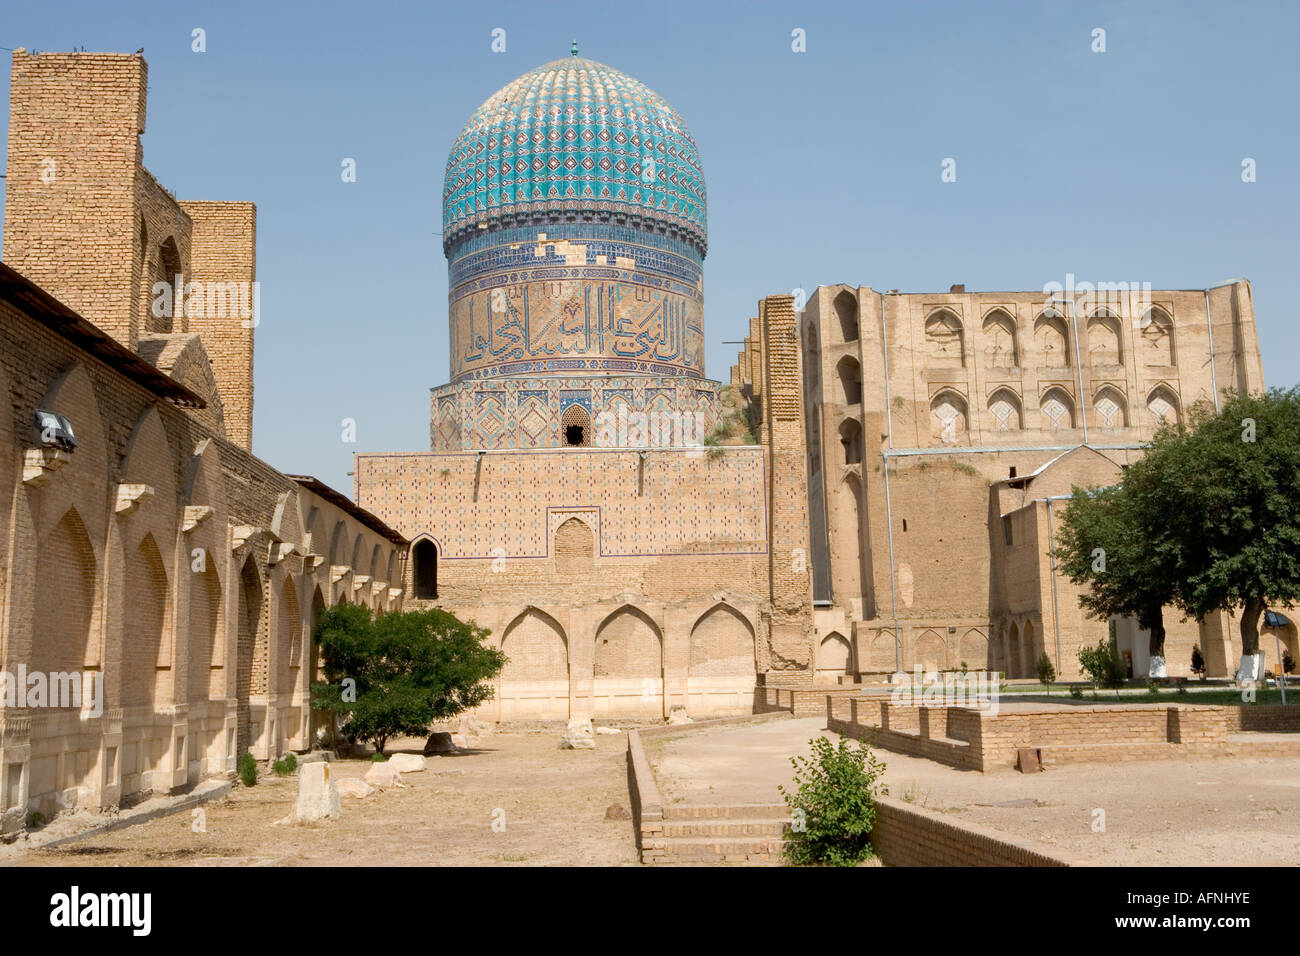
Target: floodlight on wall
54,430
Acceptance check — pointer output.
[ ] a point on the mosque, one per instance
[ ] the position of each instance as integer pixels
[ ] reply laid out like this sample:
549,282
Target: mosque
875,487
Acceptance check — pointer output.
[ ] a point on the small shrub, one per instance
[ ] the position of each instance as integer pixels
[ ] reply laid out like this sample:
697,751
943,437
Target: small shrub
248,770
35,820
1198,661
1102,665
1076,692
1288,663
963,667
1182,686
1046,672
834,803
1152,686
378,757
286,765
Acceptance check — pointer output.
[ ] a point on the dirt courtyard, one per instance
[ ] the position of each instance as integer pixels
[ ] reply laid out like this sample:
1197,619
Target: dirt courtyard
553,804
1225,812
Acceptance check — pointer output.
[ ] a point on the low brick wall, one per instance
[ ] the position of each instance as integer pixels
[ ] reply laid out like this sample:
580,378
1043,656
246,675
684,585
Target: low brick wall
971,740
1268,719
906,835
800,701
647,804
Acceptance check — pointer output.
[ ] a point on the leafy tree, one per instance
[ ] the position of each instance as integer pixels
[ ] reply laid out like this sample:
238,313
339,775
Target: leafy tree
1104,547
1207,520
1234,524
396,673
833,804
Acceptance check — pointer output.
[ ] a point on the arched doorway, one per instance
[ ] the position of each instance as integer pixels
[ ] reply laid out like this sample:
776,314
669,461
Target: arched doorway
628,666
425,556
834,659
535,681
721,669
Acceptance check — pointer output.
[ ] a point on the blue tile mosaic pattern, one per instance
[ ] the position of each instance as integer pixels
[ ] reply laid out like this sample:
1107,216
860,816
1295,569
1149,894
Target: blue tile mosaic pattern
571,136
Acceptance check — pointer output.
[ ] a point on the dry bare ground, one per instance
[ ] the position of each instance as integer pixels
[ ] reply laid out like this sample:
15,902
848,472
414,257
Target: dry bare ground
554,804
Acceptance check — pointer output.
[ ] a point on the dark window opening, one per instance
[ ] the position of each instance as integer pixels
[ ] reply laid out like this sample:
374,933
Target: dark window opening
425,556
573,435
1013,471
904,524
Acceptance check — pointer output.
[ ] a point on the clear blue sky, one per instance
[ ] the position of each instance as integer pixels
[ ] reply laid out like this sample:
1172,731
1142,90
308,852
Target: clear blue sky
821,167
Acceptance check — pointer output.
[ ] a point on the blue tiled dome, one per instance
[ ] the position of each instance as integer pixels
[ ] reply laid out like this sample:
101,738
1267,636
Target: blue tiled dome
575,138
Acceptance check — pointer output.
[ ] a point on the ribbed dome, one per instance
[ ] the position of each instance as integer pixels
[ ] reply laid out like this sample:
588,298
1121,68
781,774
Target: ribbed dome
575,137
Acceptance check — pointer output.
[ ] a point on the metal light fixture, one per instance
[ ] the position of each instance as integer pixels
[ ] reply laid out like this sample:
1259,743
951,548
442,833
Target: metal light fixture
54,430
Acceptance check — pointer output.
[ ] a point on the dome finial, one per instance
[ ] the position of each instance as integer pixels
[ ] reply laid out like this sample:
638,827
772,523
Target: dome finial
573,50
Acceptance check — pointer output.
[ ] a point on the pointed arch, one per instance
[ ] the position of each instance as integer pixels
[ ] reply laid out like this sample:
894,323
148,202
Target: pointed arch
1005,411
946,340
722,645
849,374
846,311
1001,348
931,654
574,547
628,665
851,439
250,630
1056,409
1110,409
948,416
973,650
424,569
1051,339
834,658
1105,339
146,651
1157,329
339,543
1163,406
66,616
575,427
535,681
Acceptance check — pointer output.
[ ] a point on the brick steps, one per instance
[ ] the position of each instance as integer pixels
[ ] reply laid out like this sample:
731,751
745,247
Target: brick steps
737,812
746,833
723,827
727,849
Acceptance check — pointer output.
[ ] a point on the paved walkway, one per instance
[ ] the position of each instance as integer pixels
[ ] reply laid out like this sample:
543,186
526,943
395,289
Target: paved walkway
1216,811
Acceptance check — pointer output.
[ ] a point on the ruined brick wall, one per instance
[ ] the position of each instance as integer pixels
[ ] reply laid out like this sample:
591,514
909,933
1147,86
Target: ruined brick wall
789,578
71,220
224,252
87,222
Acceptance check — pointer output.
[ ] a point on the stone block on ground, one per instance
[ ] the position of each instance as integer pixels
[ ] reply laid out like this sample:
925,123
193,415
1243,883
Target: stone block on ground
439,743
354,787
608,730
407,763
318,796
678,715
579,735
383,775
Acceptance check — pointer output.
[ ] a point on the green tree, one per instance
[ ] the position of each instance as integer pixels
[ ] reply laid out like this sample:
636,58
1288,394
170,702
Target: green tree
1046,672
396,673
1104,546
1234,524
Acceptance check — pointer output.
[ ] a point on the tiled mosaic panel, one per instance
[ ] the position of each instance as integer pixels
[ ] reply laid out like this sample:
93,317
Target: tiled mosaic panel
525,413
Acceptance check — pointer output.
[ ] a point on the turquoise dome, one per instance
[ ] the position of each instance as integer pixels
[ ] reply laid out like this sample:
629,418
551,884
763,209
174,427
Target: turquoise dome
575,139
